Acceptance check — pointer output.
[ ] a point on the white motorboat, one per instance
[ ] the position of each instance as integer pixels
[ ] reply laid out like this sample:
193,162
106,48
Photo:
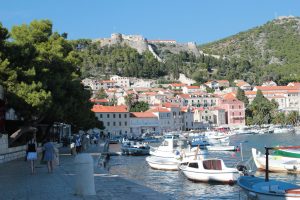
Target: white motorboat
283,129
243,130
131,147
209,170
276,163
265,189
222,148
172,147
163,163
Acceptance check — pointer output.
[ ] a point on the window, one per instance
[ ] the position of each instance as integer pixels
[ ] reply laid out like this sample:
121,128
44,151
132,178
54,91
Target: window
212,164
114,123
107,115
125,123
100,115
108,124
120,123
125,115
193,165
120,116
114,115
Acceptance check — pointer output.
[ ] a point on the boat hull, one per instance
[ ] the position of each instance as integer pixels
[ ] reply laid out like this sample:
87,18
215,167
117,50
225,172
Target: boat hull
257,188
211,176
135,151
276,163
168,164
288,153
221,148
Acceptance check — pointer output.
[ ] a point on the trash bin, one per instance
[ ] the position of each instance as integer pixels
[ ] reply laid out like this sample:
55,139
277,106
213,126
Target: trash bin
84,184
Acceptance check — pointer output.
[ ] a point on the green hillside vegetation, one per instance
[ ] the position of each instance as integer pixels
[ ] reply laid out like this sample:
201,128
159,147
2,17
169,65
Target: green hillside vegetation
271,49
97,61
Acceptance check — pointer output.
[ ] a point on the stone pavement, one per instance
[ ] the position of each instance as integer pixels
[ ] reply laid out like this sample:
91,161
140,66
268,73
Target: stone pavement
16,181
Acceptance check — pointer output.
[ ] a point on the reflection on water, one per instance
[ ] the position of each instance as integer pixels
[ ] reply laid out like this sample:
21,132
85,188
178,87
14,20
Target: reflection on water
177,186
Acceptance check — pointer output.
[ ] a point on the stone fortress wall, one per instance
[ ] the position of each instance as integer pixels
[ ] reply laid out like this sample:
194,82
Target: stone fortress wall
135,41
141,44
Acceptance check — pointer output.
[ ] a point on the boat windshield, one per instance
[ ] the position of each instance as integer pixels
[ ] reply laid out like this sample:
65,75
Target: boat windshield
193,165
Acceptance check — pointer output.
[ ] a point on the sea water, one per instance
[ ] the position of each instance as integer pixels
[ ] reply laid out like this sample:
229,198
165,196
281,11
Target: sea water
177,186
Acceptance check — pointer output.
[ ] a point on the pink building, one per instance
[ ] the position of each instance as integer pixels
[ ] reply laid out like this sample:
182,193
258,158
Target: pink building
234,111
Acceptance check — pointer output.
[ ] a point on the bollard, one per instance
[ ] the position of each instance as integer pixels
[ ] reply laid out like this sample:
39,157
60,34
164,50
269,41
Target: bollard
84,184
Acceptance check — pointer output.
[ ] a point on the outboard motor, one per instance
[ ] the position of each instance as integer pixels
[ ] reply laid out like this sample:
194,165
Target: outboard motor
242,169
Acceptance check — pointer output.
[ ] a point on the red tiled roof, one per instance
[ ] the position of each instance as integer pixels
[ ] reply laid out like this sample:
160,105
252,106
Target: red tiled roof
158,109
171,105
186,96
109,109
229,96
287,88
142,115
177,84
241,83
192,87
294,84
99,100
223,81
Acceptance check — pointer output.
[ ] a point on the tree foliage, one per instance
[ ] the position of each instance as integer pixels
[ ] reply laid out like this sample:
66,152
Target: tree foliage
242,97
39,71
139,106
261,110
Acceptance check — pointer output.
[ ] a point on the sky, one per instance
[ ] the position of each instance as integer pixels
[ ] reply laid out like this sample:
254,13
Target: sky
200,21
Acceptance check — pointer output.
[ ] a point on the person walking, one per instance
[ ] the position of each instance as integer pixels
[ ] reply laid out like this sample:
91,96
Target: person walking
32,153
49,154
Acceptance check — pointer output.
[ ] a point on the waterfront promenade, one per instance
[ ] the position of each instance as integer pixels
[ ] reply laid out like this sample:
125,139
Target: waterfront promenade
16,181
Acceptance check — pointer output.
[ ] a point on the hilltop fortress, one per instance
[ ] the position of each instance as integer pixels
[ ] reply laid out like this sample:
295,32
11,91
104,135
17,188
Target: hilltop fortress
141,44
135,41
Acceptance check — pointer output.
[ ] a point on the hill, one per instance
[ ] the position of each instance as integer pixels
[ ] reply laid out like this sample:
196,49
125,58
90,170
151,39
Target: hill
272,48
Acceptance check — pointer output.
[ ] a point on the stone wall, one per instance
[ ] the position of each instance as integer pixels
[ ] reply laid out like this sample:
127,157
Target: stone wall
8,154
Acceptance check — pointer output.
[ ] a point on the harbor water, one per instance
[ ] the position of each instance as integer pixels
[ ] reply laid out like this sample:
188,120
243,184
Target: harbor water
177,186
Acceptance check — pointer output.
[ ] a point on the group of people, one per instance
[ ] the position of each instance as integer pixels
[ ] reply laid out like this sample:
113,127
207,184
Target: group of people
82,142
49,153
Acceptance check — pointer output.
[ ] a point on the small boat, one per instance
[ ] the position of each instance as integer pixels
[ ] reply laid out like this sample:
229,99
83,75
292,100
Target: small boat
222,148
173,146
265,189
276,163
283,129
293,153
135,148
209,170
160,163
114,140
258,188
200,140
